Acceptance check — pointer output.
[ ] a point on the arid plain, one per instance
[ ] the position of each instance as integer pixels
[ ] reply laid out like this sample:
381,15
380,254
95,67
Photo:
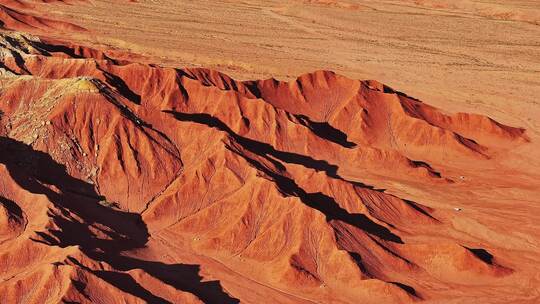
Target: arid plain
270,151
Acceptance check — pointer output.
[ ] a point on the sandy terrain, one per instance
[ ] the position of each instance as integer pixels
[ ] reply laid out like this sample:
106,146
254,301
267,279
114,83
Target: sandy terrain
133,170
463,55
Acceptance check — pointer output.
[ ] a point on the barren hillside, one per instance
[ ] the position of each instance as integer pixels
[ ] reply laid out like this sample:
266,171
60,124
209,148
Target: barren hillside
135,169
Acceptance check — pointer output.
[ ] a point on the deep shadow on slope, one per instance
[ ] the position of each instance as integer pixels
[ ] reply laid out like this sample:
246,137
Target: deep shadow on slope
259,147
319,201
33,170
266,149
120,85
250,89
325,131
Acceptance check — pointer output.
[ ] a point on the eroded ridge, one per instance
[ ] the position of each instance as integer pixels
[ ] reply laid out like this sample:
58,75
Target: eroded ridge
165,185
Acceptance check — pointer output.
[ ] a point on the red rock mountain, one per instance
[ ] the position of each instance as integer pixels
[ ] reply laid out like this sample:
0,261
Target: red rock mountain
126,182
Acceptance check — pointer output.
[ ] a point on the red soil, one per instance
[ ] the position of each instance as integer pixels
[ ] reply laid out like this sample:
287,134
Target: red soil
129,182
